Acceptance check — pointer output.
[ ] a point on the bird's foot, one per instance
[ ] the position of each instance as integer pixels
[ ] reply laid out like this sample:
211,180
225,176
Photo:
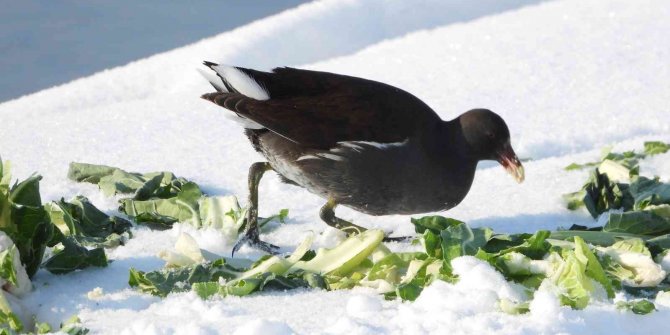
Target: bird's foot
388,238
253,240
355,230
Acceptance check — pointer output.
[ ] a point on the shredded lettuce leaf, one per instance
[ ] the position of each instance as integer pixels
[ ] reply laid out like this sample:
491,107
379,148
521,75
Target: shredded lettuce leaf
616,183
13,275
637,268
23,218
344,258
81,220
186,252
641,307
73,256
9,320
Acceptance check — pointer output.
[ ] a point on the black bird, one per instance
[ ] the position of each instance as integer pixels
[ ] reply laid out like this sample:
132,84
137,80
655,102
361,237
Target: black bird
356,142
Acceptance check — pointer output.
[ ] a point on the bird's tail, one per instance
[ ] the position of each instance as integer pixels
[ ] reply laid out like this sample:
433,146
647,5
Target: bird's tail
229,81
232,79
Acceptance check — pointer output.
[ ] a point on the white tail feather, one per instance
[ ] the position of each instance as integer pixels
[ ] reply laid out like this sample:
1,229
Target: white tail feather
218,84
241,82
214,80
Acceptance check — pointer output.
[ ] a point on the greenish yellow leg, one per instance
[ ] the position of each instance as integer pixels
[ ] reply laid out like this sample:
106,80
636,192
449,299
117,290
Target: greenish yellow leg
327,214
251,233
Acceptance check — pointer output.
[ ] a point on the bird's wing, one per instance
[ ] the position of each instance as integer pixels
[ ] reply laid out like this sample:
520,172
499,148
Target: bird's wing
319,109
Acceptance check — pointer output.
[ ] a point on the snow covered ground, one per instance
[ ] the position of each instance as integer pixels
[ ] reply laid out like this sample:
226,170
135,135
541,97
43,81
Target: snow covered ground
568,76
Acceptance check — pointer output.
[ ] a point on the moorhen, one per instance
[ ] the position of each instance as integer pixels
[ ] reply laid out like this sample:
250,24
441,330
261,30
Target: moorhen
356,142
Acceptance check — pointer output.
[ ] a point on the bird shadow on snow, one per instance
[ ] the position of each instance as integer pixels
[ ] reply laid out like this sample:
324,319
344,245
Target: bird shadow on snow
530,223
57,297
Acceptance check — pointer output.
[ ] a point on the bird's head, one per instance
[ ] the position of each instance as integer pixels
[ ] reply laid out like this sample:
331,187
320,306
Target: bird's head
487,138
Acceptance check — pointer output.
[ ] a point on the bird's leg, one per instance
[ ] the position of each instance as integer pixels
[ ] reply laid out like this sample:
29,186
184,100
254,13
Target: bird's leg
327,214
251,232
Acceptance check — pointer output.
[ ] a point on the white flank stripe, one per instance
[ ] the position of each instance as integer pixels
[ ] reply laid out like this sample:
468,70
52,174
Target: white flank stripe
320,155
350,145
356,144
306,157
330,156
242,82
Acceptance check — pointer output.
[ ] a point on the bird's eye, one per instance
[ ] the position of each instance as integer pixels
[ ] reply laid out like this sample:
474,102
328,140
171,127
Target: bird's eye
490,135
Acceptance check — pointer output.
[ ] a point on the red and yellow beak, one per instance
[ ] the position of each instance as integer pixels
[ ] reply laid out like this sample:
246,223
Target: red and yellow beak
508,159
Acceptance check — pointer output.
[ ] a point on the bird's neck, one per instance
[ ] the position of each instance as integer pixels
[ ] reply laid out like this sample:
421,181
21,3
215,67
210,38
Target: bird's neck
455,158
454,140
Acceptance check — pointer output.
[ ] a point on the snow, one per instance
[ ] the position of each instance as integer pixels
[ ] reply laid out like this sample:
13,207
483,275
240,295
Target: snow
361,306
263,327
568,76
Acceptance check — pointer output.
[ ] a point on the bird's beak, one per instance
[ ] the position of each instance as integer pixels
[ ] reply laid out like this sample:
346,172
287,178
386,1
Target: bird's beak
508,159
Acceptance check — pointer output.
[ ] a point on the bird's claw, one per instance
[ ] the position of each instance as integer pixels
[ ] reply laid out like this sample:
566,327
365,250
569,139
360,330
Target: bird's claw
255,242
388,238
